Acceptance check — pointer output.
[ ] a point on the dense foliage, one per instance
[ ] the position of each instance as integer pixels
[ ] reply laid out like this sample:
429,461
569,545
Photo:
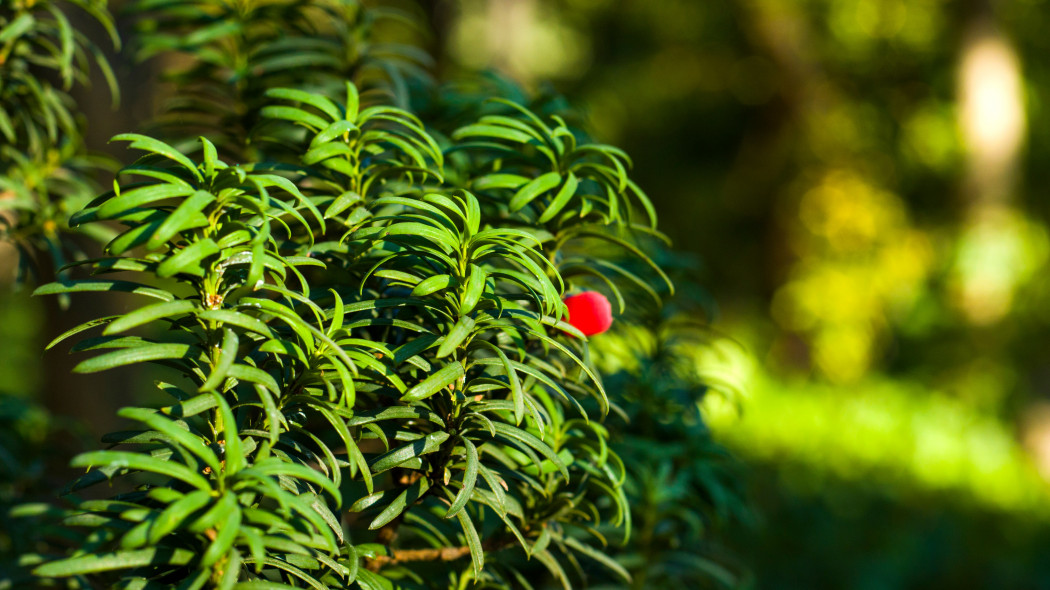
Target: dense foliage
45,171
358,318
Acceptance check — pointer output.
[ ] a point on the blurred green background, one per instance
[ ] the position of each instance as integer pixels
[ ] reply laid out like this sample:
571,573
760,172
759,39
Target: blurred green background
864,184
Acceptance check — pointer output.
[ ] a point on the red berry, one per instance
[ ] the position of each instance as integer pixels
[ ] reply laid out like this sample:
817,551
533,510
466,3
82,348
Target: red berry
589,312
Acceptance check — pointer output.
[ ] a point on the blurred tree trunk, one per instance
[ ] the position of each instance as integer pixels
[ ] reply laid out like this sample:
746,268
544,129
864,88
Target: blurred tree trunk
440,16
93,399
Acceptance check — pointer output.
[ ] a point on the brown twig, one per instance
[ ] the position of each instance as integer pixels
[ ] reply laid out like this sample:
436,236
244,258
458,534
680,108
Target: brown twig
433,554
404,555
